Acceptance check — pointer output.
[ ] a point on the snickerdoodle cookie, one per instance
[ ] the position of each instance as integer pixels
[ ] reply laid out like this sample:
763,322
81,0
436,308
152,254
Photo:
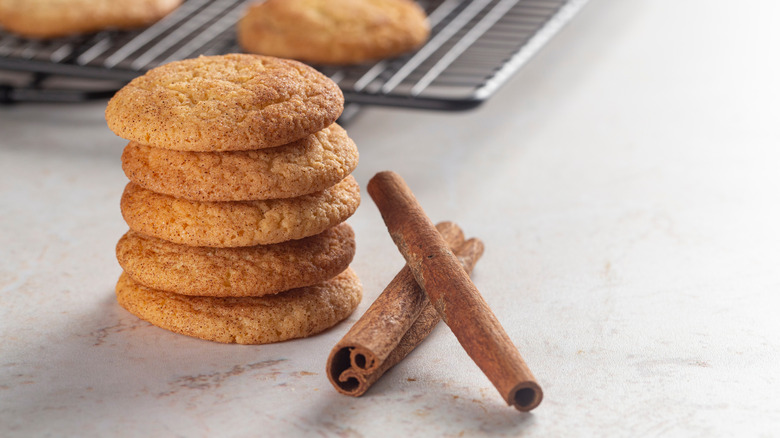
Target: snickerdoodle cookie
311,164
225,103
54,18
333,31
236,272
238,223
249,320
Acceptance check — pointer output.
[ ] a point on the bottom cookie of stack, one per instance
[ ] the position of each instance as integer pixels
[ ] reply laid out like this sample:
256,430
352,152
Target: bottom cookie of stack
287,315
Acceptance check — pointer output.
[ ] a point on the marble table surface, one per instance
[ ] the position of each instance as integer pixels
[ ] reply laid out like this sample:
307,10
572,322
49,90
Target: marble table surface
625,184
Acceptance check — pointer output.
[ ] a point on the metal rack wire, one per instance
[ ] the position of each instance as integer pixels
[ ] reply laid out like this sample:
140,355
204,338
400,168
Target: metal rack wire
475,46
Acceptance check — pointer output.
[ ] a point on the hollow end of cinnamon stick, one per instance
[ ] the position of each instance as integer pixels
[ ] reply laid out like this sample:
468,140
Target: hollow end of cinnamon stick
350,368
525,396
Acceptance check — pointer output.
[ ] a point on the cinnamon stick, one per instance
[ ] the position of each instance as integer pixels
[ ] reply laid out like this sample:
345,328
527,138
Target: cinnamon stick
452,293
399,319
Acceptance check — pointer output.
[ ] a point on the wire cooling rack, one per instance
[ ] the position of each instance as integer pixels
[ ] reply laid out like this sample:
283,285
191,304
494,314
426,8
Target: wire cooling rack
475,46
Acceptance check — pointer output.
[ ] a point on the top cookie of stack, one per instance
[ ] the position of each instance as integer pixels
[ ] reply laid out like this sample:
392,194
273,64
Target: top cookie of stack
236,151
225,103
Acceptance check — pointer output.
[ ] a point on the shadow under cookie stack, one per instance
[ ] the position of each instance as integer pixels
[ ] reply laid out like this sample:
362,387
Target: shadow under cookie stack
239,188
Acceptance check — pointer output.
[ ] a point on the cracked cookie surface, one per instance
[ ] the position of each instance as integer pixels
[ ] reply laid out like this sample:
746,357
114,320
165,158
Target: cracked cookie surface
236,272
225,103
238,223
311,164
293,314
333,31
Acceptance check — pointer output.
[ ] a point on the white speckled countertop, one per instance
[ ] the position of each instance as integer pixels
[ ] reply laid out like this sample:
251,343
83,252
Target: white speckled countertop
625,184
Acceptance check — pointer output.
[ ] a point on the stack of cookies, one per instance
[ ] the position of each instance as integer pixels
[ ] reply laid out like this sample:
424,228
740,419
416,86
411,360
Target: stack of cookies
239,189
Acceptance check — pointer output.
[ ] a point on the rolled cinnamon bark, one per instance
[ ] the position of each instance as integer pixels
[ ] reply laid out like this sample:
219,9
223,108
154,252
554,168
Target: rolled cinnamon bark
399,319
452,293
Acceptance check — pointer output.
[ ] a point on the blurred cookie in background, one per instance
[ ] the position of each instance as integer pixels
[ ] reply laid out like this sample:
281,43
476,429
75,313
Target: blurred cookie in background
333,31
56,18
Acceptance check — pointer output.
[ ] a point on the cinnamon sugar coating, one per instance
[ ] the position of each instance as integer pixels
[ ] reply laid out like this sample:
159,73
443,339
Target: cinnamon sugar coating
237,272
248,320
238,223
311,164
